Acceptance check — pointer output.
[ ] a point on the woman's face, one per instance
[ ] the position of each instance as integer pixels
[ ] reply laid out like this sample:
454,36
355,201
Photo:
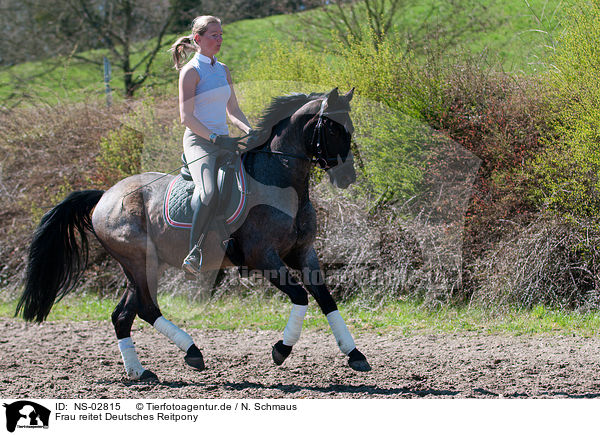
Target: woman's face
210,42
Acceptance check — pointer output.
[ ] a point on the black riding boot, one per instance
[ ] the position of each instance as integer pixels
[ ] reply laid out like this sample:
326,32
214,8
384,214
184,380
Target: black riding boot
202,216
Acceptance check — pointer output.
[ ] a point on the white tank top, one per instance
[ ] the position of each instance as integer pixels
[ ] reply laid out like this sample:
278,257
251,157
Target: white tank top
212,94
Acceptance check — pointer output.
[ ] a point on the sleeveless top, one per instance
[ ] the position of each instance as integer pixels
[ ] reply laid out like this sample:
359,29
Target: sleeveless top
212,94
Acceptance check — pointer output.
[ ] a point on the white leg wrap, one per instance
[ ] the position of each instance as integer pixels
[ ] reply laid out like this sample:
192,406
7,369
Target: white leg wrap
291,333
341,332
177,336
133,366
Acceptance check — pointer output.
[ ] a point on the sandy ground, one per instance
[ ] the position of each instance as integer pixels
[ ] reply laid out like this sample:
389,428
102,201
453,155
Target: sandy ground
81,360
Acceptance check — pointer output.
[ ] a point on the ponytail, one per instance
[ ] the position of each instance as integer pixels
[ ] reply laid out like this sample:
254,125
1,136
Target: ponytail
181,49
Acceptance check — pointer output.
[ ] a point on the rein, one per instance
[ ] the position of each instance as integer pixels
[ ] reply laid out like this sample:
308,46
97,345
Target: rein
168,173
318,143
281,153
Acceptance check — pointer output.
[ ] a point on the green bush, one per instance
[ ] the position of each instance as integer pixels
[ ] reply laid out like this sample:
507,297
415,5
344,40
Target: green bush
120,155
148,139
567,172
390,137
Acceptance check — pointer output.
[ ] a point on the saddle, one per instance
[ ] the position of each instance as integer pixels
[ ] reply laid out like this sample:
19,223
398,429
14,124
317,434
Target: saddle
181,196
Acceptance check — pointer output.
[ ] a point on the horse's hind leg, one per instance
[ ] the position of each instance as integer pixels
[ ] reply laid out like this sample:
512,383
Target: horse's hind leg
151,313
193,356
140,299
122,319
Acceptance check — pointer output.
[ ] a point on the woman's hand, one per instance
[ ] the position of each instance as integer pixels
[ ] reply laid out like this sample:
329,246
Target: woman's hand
228,143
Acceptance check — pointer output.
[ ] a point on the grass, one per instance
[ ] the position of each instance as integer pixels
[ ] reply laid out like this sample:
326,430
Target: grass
270,313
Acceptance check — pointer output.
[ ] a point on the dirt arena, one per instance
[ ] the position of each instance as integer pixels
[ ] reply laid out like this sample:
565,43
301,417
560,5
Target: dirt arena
81,360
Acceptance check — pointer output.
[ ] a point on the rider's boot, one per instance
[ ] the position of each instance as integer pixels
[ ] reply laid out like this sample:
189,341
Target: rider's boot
193,262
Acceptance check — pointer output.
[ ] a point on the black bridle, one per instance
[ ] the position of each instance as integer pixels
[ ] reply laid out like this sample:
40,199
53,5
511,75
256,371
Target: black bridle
318,142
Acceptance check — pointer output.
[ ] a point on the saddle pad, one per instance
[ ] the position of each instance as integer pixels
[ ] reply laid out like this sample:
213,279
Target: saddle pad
177,208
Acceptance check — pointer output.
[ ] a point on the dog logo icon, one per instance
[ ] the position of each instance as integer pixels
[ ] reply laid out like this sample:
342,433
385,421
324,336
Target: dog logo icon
26,414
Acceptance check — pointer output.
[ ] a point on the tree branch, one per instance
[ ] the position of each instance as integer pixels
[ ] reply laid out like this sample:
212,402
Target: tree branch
152,55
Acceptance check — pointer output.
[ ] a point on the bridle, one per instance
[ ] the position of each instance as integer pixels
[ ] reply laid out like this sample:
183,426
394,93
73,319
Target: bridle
318,142
321,156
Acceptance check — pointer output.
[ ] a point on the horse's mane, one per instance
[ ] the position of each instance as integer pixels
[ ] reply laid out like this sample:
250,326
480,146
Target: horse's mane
281,108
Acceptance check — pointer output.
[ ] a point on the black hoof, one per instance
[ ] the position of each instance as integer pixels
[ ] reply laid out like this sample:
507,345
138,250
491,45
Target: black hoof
280,352
148,376
194,358
358,362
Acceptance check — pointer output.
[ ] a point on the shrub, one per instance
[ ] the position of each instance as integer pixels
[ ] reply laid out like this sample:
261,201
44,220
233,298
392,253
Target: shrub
148,139
545,262
567,171
44,152
502,119
120,155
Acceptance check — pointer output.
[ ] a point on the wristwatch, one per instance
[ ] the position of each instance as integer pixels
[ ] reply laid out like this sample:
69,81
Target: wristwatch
212,137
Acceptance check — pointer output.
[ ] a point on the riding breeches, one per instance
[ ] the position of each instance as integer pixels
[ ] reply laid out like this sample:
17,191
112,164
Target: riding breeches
201,156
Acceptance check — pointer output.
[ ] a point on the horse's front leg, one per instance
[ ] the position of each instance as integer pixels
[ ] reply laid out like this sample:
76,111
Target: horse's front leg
273,268
312,277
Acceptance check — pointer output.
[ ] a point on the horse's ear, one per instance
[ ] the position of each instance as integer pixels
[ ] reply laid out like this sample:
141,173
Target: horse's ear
333,95
348,96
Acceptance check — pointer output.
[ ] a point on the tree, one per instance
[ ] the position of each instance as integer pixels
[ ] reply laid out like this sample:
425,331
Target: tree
442,23
117,25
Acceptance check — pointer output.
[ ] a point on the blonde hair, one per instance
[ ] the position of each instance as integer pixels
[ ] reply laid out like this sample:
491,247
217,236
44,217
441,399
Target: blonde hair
186,44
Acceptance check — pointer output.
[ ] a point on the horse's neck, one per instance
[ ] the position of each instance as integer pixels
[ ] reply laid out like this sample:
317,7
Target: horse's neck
288,169
288,139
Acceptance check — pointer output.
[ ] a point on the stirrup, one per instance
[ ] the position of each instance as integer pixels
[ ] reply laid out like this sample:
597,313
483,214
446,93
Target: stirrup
193,262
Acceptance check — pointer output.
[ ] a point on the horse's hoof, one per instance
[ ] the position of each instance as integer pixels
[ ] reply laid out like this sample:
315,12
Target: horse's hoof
194,358
148,376
280,352
357,361
360,366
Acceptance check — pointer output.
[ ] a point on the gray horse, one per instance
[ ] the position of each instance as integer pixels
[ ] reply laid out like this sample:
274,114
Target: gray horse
277,231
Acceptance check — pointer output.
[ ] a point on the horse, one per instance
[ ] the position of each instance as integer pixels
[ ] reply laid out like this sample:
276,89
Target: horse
277,233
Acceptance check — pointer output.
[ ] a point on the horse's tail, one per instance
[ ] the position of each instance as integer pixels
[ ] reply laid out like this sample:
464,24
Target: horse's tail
56,259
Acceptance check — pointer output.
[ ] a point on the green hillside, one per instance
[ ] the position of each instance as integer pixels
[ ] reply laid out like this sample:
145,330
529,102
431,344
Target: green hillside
515,35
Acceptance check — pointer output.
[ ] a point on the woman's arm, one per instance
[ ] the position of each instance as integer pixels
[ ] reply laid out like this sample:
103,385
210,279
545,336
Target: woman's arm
188,80
234,112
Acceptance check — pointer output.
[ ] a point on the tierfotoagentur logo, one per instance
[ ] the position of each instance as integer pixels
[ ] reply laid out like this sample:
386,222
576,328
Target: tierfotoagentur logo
26,415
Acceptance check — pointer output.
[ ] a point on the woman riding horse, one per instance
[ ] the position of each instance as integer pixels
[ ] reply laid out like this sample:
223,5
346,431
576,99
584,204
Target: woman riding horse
206,96
276,233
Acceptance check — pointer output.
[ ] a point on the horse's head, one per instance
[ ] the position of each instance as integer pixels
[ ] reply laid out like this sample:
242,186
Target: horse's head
328,136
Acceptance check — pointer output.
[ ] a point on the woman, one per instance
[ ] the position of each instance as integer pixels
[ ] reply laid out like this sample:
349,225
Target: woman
206,99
